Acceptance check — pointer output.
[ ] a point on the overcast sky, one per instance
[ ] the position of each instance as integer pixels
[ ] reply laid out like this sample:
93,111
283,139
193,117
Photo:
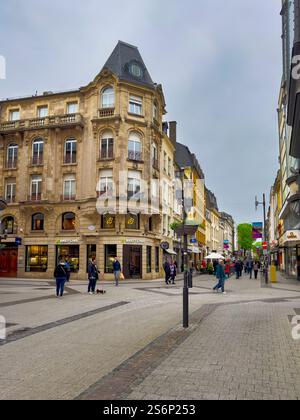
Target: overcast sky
219,62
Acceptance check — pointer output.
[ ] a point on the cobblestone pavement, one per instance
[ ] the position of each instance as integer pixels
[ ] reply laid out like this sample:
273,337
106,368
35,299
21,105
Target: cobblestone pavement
128,344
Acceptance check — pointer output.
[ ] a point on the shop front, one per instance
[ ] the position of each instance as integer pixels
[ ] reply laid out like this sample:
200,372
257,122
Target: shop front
70,250
8,259
292,253
132,261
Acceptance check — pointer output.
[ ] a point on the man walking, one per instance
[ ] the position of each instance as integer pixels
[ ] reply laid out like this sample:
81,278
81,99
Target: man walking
60,275
117,271
221,277
167,269
250,268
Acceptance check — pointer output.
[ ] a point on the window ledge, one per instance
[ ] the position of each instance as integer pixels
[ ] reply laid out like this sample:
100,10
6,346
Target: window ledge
131,114
70,164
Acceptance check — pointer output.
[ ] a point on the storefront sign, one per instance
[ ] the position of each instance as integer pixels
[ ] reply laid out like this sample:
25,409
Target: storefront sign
133,242
292,235
165,245
194,241
67,242
92,228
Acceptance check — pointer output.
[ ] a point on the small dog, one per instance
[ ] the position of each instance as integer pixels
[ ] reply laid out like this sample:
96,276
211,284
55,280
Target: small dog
101,292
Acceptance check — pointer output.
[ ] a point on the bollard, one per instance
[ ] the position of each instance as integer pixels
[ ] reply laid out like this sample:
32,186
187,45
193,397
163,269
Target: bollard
273,274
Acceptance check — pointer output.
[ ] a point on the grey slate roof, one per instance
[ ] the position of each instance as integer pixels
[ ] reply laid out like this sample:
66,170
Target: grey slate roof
186,159
119,63
211,201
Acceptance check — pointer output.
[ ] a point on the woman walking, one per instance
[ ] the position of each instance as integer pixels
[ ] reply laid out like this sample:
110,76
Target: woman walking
221,277
256,268
60,275
173,272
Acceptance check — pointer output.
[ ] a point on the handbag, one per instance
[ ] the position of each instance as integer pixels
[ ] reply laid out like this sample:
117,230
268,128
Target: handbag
122,276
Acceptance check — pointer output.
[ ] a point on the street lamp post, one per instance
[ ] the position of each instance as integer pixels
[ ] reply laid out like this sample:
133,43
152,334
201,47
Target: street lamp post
185,259
263,203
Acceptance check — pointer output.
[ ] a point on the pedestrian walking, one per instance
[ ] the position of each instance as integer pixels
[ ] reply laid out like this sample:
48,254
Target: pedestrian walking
237,267
250,268
256,269
60,274
68,268
221,277
215,264
227,269
167,269
93,275
173,272
117,271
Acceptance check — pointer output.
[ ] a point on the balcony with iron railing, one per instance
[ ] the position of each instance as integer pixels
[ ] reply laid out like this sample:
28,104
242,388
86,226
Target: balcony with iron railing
37,160
134,156
34,197
68,197
11,164
59,121
10,199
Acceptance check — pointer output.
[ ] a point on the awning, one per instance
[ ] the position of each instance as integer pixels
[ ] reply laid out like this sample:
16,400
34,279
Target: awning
170,251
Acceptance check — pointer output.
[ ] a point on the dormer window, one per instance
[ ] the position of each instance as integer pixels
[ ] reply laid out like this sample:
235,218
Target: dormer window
136,71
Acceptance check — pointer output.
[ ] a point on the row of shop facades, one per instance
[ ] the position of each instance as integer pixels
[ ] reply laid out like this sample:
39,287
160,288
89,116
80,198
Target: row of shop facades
94,172
284,211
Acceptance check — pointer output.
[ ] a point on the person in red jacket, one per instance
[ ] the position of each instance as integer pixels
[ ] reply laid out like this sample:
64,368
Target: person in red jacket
227,269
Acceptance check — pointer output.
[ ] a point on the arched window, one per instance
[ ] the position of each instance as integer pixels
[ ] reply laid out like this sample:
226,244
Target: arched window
68,221
134,147
107,145
70,151
37,222
7,226
12,156
38,152
108,97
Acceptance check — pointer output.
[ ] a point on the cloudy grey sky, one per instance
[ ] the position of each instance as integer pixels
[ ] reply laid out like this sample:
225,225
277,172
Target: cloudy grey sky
219,62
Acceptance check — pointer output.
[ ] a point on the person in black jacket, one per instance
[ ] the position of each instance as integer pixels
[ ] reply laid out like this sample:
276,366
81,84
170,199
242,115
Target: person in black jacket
167,269
93,273
60,275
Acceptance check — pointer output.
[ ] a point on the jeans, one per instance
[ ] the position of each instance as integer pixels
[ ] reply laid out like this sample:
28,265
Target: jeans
250,272
220,285
60,285
92,285
117,277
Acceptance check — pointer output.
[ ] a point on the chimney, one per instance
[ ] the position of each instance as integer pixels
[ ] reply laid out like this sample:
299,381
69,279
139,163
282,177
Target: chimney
173,131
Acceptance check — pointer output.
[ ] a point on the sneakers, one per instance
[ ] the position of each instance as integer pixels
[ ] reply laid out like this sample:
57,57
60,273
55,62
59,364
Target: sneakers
224,293
91,293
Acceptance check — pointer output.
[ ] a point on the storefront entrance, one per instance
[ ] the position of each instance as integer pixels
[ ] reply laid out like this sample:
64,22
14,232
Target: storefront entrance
132,262
8,262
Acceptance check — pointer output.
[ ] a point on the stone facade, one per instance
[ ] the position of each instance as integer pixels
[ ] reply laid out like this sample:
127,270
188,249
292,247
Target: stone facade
113,136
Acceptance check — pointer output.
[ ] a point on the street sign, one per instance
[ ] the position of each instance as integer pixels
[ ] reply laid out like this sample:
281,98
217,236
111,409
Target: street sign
194,241
18,241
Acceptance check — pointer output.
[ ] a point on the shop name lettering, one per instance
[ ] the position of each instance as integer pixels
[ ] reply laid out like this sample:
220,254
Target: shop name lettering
292,236
124,411
296,68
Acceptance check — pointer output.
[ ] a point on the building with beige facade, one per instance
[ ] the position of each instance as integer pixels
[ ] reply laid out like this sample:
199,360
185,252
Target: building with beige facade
83,174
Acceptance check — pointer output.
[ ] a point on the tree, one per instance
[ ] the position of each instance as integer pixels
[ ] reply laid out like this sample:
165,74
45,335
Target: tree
245,239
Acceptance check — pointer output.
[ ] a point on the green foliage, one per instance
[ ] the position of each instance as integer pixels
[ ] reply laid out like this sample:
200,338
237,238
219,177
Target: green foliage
175,225
245,239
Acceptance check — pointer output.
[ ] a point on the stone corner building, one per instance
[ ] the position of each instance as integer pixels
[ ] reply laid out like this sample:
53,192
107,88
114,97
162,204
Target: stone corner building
62,153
